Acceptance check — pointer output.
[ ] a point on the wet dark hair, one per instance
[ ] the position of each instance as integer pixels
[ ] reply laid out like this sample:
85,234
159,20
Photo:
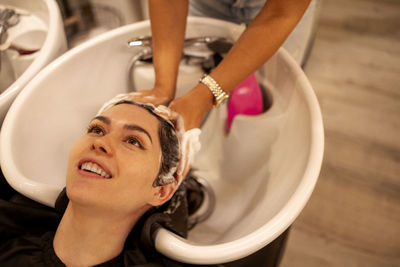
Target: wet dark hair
168,142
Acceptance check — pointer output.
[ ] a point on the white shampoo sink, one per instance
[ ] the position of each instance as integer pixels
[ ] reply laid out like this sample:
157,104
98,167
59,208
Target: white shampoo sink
263,172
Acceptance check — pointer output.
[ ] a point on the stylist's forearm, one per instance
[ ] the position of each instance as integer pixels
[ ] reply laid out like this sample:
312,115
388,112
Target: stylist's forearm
259,41
168,23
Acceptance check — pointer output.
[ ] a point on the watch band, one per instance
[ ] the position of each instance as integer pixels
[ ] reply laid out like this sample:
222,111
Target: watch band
220,96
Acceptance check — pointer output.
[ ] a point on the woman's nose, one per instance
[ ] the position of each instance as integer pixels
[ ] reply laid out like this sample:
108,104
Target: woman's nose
100,145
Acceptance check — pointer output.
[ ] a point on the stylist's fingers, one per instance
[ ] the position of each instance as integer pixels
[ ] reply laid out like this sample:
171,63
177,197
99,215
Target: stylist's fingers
188,140
154,96
190,145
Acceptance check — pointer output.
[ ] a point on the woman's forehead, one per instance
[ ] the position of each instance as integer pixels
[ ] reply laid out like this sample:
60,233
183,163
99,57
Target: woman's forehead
132,114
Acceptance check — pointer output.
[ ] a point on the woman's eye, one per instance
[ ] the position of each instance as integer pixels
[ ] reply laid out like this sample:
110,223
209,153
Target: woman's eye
134,141
95,129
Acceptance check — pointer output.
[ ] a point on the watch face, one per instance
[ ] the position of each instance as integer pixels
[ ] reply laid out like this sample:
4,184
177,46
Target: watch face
222,100
226,97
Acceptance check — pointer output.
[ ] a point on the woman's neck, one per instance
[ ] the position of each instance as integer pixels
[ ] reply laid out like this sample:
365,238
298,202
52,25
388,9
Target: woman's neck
85,238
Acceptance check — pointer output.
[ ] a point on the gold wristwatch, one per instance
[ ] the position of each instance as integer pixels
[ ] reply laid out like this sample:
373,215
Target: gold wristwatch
220,96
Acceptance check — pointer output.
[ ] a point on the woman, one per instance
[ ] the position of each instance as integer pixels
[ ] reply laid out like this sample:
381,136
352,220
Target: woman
126,163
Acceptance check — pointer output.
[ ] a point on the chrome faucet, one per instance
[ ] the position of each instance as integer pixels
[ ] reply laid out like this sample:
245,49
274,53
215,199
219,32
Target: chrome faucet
205,51
8,18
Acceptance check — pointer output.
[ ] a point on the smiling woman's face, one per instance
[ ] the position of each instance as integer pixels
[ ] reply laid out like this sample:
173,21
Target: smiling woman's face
114,165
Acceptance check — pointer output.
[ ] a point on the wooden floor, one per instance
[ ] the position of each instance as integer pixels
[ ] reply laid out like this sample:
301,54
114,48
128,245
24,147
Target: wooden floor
353,216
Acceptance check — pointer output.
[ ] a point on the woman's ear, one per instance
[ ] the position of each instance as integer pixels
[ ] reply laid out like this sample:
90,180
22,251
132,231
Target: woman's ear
162,194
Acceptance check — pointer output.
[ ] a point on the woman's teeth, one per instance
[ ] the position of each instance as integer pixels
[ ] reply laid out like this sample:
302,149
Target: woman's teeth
93,167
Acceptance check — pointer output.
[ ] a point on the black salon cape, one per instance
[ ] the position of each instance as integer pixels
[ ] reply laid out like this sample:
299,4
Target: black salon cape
27,230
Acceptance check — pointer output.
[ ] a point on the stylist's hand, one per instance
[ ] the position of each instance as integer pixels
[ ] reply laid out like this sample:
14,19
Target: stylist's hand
156,96
188,140
193,106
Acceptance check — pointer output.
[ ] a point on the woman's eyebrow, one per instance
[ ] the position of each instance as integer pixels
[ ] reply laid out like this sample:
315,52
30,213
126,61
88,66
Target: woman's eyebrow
134,127
103,119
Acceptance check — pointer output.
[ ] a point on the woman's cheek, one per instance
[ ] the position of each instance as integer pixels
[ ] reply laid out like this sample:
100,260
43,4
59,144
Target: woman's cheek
138,166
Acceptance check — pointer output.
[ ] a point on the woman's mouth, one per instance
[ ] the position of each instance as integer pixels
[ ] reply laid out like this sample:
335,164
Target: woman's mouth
92,167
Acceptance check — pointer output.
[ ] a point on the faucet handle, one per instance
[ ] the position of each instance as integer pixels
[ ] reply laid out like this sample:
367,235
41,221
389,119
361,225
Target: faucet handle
8,18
